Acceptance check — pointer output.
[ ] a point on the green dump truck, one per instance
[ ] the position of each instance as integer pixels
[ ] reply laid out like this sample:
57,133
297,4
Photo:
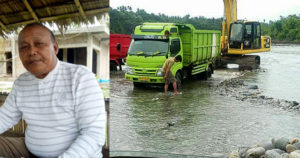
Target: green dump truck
150,47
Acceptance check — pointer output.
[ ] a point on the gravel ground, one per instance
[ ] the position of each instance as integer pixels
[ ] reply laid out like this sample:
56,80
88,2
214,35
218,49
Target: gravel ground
237,88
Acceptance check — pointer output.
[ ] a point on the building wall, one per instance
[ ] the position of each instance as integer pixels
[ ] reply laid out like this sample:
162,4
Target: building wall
72,41
17,66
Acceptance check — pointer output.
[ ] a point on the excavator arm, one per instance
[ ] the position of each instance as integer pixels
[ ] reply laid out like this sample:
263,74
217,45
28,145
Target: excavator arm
230,16
230,13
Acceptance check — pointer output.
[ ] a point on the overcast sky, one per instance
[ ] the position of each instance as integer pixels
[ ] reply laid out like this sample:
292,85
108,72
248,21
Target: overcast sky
257,10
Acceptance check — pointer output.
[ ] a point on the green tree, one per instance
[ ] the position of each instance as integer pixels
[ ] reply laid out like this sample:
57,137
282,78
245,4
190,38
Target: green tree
123,21
286,29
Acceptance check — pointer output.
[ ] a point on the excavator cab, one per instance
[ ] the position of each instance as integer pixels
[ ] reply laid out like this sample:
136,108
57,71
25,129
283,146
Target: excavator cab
245,35
241,38
245,38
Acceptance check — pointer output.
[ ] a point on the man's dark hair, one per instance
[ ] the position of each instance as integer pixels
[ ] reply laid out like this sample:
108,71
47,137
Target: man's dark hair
53,40
167,33
178,57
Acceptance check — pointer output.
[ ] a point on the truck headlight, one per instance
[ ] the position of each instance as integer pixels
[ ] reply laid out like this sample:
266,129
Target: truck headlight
129,71
159,72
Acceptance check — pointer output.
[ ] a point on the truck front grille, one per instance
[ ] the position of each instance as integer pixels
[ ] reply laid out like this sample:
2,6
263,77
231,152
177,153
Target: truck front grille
145,72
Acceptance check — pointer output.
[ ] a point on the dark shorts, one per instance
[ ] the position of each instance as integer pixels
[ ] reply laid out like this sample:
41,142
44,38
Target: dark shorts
170,78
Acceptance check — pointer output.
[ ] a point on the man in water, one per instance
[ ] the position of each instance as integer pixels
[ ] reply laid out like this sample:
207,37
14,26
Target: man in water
61,103
168,76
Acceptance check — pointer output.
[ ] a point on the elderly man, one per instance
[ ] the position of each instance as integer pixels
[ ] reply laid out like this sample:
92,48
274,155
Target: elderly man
61,103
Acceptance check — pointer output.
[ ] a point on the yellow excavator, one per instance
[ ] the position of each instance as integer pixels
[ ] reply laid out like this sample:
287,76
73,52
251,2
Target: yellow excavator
240,38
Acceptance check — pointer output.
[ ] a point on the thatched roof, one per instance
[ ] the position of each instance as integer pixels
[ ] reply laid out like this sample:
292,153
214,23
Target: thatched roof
16,13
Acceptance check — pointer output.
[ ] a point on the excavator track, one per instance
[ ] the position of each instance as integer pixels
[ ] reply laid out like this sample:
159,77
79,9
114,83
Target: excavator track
245,62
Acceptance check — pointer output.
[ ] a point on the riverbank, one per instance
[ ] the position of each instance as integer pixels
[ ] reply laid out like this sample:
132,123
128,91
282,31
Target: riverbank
237,88
276,148
284,43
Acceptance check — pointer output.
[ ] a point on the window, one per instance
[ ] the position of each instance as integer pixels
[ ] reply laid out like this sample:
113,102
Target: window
148,48
236,33
248,31
176,47
173,30
257,34
258,31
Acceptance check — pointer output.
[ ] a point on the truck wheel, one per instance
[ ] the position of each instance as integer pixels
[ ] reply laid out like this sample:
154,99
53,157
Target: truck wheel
113,66
137,84
178,80
207,73
120,64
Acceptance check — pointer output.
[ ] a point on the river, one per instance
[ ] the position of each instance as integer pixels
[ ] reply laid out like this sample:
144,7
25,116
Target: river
200,121
282,73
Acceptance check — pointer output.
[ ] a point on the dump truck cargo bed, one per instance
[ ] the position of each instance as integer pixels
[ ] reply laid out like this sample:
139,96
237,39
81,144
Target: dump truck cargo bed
199,46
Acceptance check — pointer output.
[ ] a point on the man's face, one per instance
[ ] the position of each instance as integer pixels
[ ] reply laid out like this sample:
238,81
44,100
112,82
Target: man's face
37,51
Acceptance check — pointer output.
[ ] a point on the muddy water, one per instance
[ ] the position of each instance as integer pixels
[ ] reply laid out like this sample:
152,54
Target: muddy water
200,121
281,75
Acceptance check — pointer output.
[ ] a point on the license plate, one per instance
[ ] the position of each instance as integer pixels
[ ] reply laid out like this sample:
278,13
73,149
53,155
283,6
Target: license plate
142,78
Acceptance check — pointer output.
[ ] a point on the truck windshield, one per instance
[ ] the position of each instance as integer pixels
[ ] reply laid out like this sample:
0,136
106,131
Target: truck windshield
148,48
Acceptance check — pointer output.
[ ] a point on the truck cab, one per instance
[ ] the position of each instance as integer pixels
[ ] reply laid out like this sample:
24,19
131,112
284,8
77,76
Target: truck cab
151,45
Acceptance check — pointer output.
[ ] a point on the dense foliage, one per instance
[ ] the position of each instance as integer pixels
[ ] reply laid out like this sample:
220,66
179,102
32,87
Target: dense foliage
285,29
124,19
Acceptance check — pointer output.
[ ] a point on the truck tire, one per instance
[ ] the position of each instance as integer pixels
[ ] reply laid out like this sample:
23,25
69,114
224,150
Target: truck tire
178,77
113,66
207,73
120,64
137,84
210,71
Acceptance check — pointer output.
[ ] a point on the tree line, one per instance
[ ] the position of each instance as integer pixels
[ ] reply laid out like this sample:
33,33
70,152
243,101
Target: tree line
123,21
287,29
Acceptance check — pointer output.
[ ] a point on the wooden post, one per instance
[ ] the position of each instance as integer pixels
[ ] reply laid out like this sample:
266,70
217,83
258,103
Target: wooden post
65,54
89,52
